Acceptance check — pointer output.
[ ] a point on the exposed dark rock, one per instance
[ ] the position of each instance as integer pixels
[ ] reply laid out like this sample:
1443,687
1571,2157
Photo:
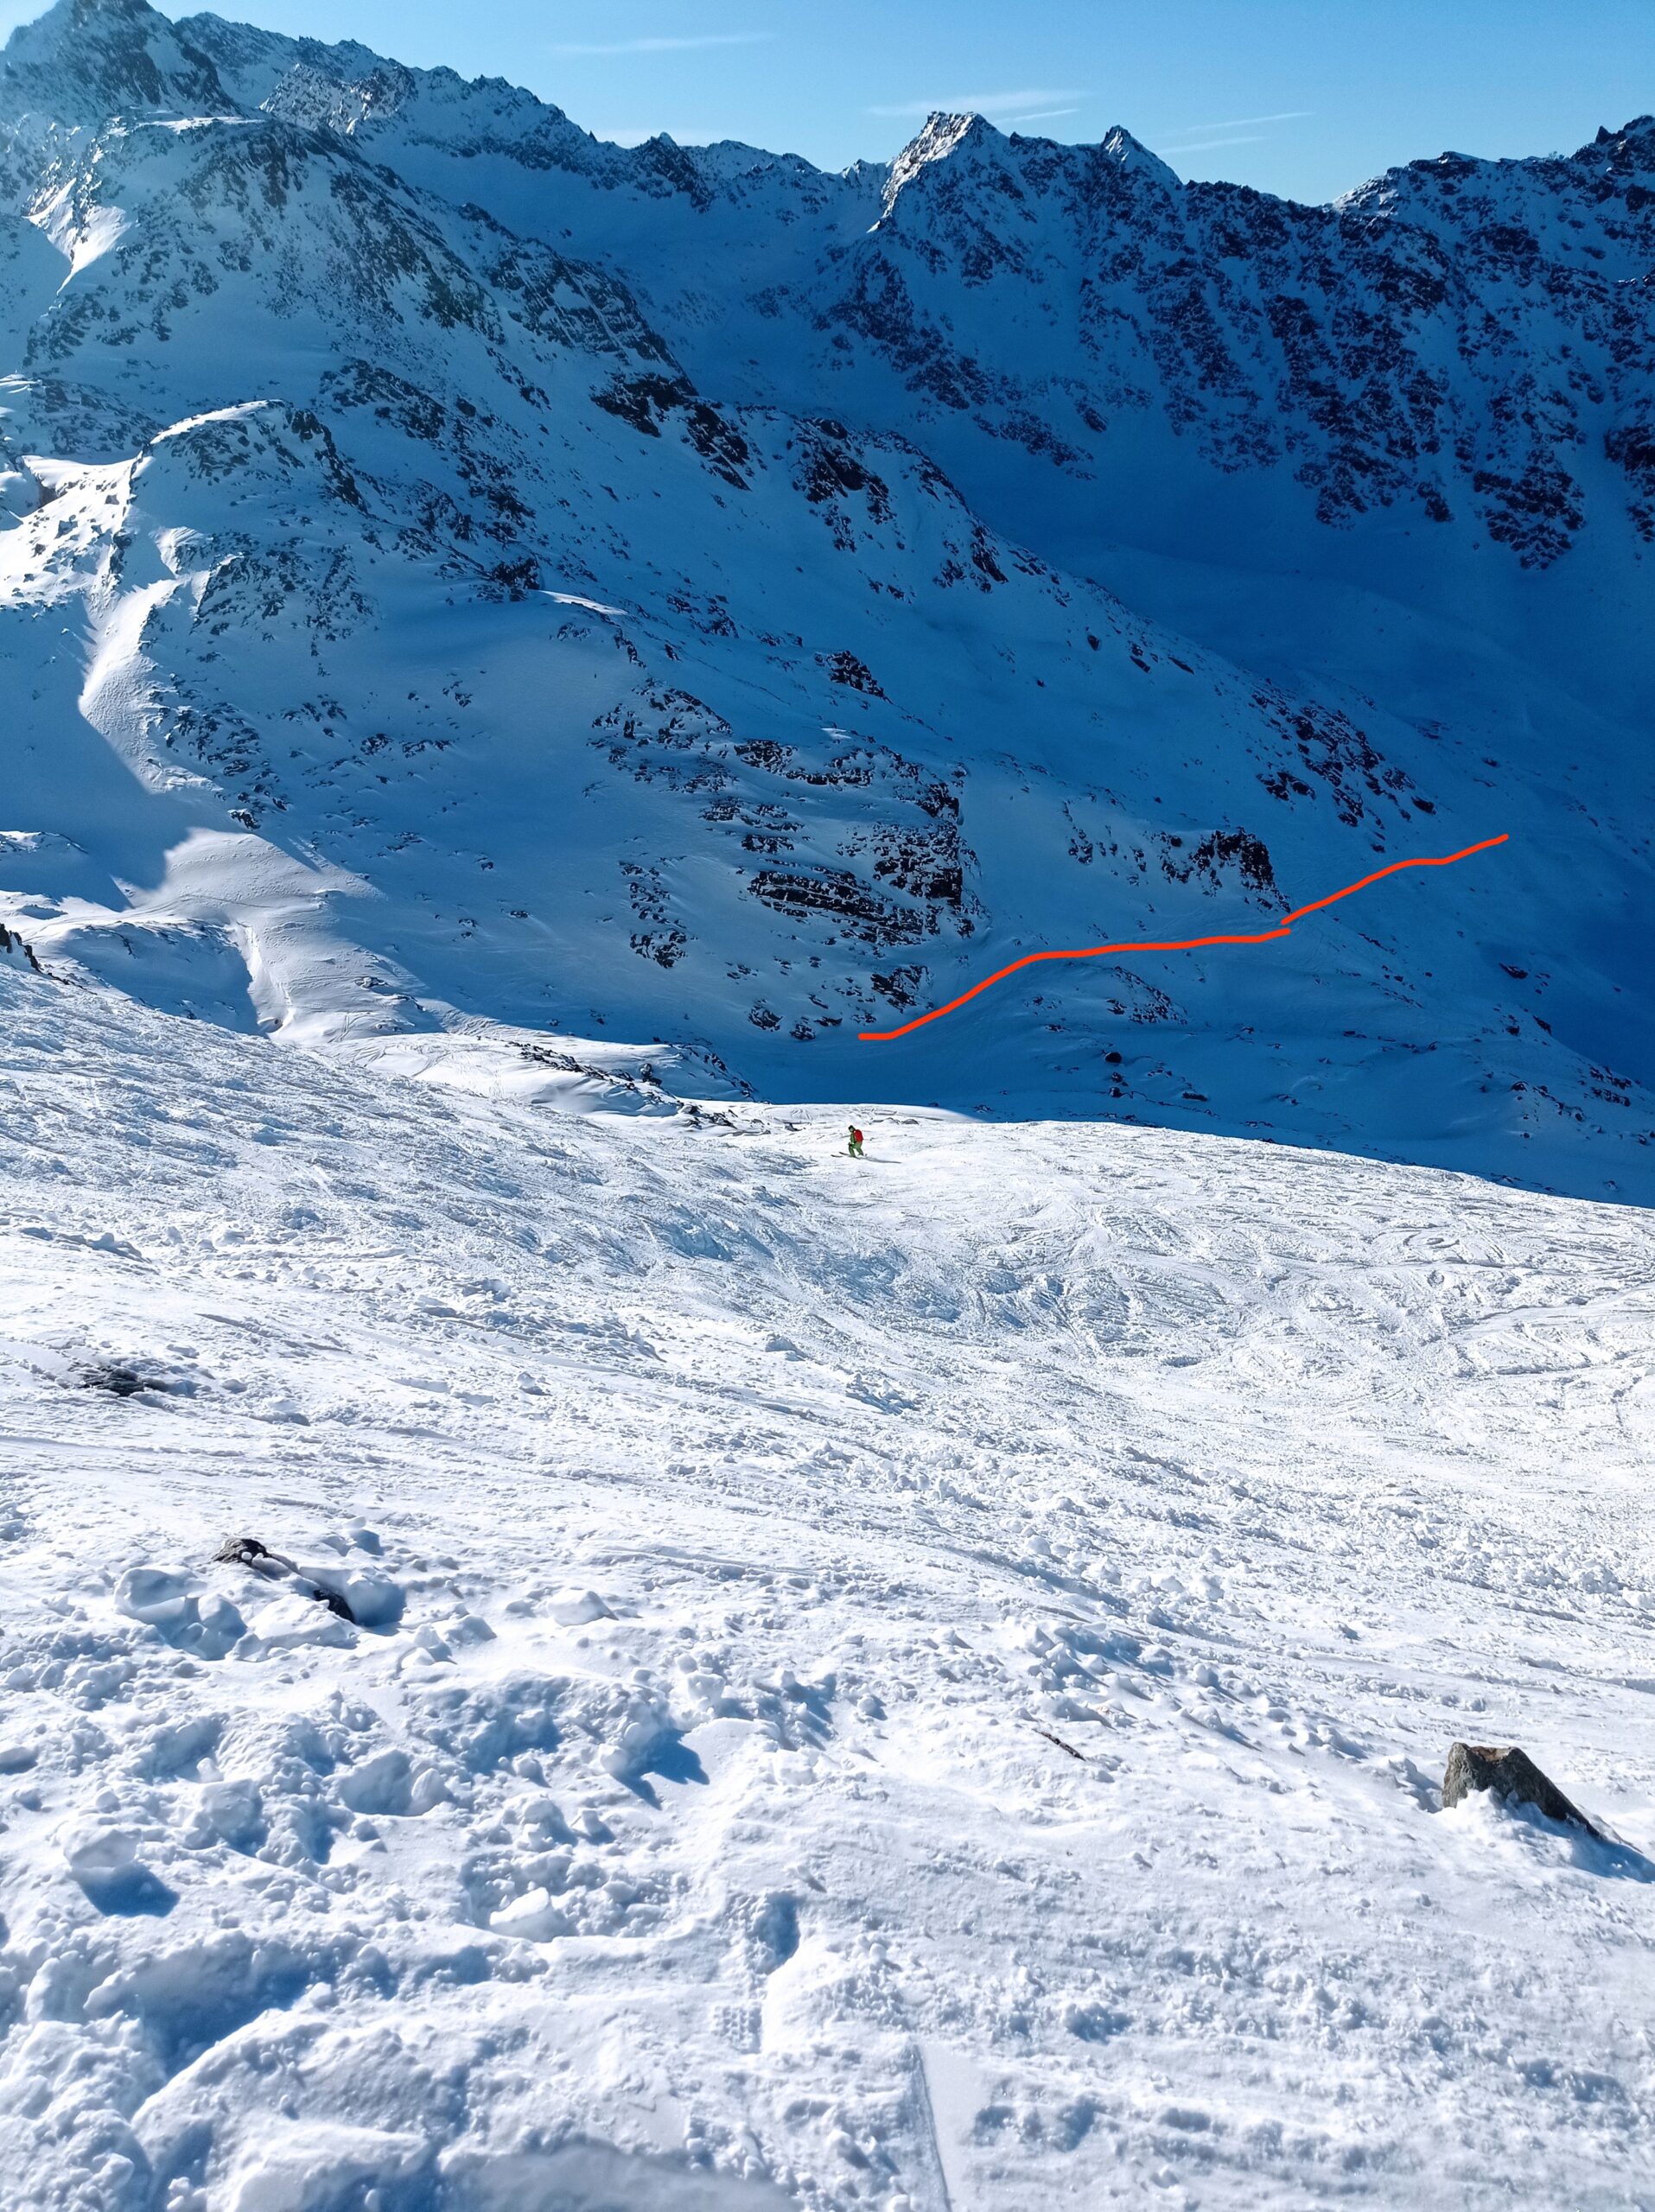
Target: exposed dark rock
830,470
642,401
926,864
646,401
836,895
899,986
845,668
11,941
119,1381
1632,446
1223,849
247,1551
1512,1776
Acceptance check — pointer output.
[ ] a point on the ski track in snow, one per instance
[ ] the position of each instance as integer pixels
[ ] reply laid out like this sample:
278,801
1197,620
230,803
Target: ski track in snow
1180,944
910,1684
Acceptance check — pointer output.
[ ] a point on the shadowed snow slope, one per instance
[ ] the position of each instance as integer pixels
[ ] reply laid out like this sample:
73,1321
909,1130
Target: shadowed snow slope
467,590
906,1684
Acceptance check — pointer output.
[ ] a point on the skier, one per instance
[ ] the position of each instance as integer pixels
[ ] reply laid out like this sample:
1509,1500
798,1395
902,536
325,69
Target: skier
855,1141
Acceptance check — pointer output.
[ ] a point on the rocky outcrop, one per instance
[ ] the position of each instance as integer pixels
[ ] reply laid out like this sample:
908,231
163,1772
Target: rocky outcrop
1512,1776
17,949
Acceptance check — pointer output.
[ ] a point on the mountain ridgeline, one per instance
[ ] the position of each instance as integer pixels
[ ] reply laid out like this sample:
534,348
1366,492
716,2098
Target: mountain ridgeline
607,624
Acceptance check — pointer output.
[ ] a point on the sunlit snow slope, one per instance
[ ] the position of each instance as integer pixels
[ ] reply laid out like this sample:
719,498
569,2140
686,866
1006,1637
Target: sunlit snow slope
910,1684
592,623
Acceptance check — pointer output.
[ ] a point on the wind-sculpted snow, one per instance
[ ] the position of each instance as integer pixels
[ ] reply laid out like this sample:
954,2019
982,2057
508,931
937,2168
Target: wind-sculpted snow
915,1681
469,593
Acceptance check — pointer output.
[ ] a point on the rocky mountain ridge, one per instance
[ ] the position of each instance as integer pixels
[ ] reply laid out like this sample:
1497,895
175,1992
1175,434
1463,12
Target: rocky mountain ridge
471,590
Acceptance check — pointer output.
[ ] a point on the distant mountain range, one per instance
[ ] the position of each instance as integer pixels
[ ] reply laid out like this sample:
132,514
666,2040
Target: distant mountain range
607,624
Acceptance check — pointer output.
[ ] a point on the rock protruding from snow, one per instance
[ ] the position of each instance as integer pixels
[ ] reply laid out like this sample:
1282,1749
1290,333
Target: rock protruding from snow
17,949
360,1594
1512,1776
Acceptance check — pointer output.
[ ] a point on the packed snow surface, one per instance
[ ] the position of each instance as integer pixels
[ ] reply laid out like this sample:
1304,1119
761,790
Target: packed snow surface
910,1684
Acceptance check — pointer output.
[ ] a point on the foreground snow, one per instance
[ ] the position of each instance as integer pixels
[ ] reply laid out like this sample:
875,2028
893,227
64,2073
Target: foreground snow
910,1685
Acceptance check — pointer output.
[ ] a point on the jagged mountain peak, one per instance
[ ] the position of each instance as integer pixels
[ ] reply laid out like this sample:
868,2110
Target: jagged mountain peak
1641,126
952,144
86,61
424,120
1627,152
255,64
941,138
1132,155
983,184
1612,166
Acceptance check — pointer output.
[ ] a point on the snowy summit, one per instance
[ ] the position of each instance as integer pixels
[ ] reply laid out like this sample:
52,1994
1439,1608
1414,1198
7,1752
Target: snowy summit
567,1642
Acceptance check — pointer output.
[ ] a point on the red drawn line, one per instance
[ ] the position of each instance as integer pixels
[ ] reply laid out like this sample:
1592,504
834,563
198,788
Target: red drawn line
1283,928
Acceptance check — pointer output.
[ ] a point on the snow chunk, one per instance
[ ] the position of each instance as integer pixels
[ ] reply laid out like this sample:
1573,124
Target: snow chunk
95,1852
574,1608
288,1622
533,1915
157,1595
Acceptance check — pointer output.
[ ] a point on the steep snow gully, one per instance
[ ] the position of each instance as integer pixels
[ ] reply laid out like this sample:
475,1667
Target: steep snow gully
566,1646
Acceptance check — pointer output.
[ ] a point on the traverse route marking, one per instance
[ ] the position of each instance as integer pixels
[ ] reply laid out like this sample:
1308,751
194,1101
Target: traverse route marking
1283,928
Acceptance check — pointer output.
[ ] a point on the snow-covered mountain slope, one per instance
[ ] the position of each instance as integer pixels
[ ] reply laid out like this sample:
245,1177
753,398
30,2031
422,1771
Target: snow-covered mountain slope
435,624
1199,369
909,1684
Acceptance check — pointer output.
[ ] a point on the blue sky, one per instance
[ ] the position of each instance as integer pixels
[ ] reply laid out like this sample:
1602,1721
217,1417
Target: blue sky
1301,96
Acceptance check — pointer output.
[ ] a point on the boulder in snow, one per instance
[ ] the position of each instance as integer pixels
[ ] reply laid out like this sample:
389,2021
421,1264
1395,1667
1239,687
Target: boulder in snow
1512,1774
364,1595
15,947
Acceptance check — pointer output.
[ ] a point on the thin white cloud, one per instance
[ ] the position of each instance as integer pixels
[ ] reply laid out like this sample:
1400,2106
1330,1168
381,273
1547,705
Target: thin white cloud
1210,145
1026,103
664,45
1042,115
1243,122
